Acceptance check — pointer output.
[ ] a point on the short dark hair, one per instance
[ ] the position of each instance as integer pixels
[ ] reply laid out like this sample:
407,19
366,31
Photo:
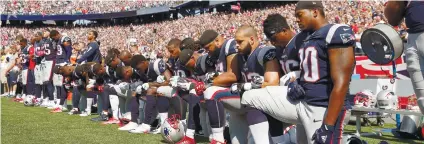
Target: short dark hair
137,59
96,67
174,42
94,33
24,40
111,54
53,33
274,24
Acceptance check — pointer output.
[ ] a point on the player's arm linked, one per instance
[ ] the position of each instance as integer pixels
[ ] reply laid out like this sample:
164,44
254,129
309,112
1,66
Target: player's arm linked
342,63
167,75
272,73
231,75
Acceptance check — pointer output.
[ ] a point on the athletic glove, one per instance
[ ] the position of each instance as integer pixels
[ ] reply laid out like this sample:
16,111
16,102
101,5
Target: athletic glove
236,88
160,79
199,88
323,135
184,84
295,91
284,80
174,81
139,89
210,76
91,83
145,86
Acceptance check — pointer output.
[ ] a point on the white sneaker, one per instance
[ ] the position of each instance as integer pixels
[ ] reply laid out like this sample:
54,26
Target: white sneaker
43,103
73,111
84,114
129,126
64,109
143,128
156,131
50,105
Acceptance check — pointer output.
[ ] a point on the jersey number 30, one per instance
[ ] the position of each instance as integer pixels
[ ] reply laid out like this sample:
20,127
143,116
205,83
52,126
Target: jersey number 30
309,64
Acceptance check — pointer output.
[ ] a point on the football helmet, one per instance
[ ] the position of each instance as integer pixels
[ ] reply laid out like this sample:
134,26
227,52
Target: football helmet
365,98
387,100
28,101
172,129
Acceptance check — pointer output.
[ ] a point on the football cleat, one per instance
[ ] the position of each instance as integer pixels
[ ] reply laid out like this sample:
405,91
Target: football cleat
186,140
129,126
143,128
37,101
156,130
101,117
84,114
74,111
56,110
111,121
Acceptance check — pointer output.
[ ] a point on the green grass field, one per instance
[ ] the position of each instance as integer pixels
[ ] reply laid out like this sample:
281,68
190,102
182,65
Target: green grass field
35,125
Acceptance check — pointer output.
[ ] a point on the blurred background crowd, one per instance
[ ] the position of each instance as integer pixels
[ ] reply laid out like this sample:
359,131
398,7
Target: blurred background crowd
31,7
152,37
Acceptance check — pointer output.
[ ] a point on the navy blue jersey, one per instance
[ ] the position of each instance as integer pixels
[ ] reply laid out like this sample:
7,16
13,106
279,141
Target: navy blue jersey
254,64
92,54
24,55
203,63
49,49
156,67
63,52
110,76
178,69
413,16
38,46
288,56
314,60
228,48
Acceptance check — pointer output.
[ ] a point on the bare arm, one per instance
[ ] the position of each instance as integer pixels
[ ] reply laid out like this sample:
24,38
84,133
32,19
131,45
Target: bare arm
167,75
272,73
342,63
394,12
231,75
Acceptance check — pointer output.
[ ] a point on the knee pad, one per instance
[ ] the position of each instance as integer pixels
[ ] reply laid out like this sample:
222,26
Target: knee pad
412,60
211,92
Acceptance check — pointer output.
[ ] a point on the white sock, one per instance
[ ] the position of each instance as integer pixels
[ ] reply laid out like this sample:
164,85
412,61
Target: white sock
114,104
57,102
260,132
89,103
163,117
218,134
65,104
278,139
190,133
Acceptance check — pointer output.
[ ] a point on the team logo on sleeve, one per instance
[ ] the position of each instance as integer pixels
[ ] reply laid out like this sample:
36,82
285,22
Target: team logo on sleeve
346,37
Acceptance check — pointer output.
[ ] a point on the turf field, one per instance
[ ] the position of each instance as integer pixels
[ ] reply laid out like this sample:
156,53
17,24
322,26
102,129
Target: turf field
25,125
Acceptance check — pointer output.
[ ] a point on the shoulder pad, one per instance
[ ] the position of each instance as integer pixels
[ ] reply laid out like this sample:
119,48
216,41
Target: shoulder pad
159,66
339,34
267,53
229,47
203,63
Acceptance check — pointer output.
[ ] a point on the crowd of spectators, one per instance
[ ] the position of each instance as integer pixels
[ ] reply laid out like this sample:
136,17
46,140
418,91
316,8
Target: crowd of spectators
358,14
31,7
